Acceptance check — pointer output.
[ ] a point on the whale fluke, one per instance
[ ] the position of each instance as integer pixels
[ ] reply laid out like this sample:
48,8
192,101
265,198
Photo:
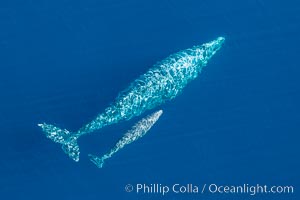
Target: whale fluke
136,132
63,137
97,160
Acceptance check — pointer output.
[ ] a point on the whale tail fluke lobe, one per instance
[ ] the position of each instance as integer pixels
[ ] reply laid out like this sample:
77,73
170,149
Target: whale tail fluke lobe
71,148
63,137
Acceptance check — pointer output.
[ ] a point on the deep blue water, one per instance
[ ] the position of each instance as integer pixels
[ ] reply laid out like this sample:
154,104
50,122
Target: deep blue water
63,62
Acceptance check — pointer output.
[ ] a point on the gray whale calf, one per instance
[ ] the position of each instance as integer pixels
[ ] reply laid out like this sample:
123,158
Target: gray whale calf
163,82
136,132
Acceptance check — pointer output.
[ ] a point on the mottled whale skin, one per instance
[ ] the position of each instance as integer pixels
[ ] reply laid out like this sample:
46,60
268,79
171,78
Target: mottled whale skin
136,132
163,82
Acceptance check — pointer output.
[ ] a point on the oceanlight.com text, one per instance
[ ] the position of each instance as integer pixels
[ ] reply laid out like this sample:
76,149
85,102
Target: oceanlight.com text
248,189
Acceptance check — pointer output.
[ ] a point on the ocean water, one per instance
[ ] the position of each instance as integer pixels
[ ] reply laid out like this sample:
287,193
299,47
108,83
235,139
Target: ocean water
63,62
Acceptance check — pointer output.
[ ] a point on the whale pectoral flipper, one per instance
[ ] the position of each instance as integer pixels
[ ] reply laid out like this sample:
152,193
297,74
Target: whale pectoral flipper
63,137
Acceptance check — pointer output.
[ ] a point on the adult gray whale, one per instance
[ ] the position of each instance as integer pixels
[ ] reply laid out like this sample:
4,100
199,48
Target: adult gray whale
163,82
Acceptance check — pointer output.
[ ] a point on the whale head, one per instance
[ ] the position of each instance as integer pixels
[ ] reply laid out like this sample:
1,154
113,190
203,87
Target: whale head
209,49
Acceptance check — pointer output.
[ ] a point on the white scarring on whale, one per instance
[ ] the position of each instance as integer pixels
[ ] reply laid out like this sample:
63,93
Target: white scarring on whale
163,82
136,132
